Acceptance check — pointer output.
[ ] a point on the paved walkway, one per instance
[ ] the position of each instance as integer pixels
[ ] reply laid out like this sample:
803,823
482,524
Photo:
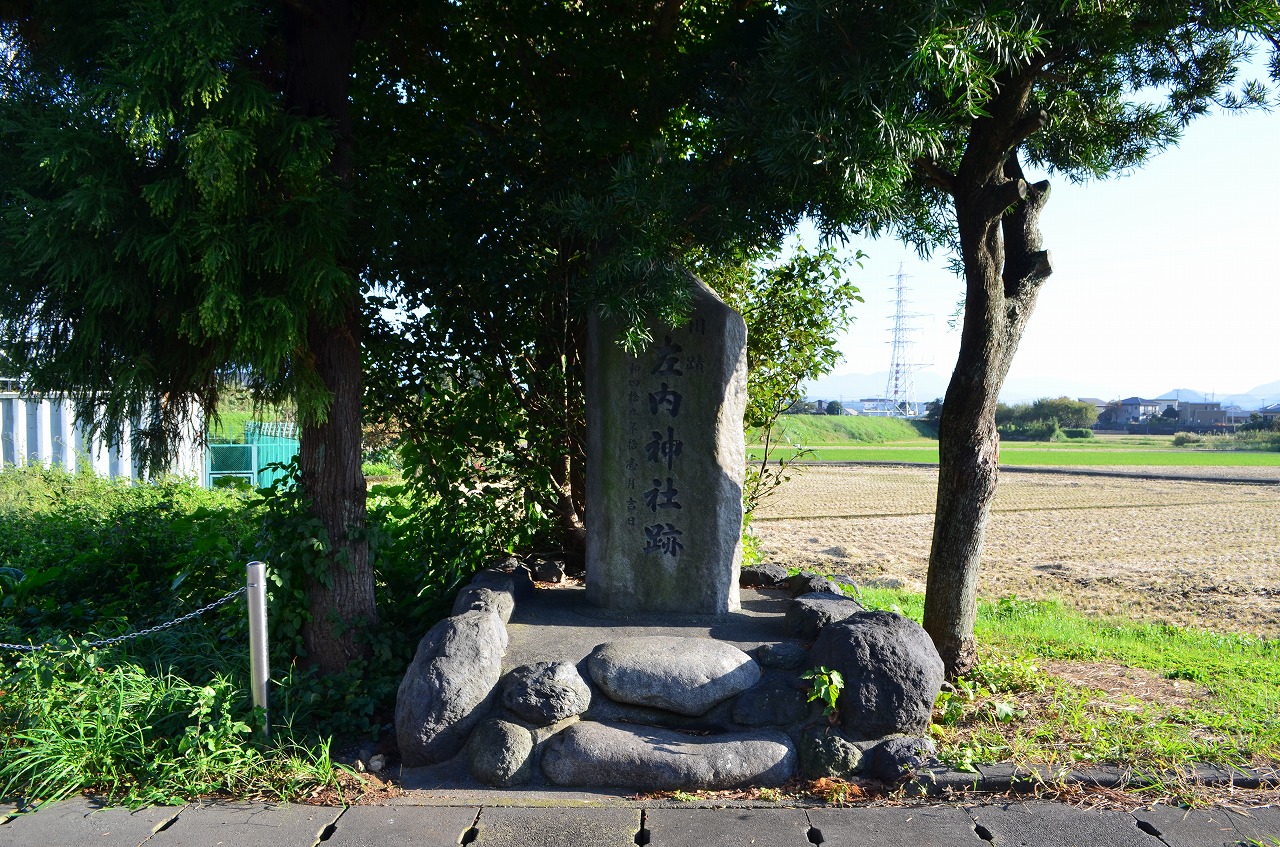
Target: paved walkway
80,823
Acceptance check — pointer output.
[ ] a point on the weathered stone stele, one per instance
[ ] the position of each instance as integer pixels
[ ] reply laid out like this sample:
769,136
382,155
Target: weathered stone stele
665,463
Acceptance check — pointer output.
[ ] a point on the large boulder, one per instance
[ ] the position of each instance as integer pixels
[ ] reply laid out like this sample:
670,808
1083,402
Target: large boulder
892,673
683,675
809,613
598,754
546,692
449,686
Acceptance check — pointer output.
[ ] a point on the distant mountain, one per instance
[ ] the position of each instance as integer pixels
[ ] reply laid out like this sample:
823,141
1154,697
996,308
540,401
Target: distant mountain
1254,398
1271,389
1185,395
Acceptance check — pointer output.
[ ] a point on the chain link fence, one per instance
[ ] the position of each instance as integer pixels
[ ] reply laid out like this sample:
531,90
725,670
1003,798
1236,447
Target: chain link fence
107,642
256,592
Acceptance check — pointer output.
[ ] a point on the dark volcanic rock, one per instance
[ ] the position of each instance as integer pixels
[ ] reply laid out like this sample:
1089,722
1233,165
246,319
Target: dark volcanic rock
762,576
449,686
786,655
809,613
777,700
683,675
900,756
812,583
892,673
825,752
546,692
598,754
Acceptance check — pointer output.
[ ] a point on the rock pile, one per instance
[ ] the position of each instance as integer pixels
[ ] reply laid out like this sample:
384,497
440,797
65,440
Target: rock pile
668,713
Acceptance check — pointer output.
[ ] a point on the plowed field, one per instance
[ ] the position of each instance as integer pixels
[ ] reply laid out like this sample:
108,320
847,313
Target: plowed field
1205,554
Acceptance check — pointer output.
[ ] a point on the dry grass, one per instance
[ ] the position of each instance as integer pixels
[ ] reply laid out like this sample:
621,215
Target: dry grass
1195,553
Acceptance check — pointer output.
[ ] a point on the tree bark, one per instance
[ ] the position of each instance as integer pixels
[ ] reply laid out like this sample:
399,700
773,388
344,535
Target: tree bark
320,37
342,607
997,214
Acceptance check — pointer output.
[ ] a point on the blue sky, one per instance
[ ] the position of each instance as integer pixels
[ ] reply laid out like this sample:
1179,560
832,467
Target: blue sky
1166,278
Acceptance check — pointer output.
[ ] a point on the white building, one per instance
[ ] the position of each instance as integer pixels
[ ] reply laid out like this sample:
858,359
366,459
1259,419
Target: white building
43,429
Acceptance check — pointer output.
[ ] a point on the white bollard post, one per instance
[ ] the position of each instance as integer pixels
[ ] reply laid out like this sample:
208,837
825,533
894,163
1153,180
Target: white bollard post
259,672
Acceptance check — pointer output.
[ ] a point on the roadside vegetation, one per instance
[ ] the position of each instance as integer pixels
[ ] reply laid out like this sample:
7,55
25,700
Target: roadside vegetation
168,716
1044,692
833,429
870,439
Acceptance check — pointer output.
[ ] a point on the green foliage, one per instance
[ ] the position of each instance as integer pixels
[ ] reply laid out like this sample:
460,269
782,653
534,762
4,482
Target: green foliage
825,686
833,407
1077,433
97,555
166,219
76,718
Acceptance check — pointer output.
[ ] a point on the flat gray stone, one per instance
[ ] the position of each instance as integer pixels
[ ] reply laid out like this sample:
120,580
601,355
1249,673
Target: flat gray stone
1042,824
507,826
1211,827
683,675
79,821
869,826
401,826
727,827
610,755
246,825
449,686
665,462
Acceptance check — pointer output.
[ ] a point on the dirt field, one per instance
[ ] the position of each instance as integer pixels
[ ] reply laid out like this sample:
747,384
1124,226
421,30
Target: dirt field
1199,553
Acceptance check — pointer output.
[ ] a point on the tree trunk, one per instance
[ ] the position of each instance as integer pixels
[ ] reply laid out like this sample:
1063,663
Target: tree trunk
342,606
997,214
320,38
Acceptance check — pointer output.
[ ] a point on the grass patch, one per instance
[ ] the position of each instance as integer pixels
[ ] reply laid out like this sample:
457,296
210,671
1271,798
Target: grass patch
1220,702
1065,455
840,429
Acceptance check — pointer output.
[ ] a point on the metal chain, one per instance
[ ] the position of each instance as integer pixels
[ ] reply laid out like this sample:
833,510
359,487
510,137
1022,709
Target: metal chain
107,642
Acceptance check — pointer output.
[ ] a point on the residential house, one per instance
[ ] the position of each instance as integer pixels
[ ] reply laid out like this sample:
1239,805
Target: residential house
1138,409
1270,413
1201,413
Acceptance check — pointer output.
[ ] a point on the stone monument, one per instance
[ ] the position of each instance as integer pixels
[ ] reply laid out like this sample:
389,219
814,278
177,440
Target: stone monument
665,462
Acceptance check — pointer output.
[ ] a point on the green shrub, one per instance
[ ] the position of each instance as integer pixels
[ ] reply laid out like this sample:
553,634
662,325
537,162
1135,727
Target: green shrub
1077,432
1034,431
1182,439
